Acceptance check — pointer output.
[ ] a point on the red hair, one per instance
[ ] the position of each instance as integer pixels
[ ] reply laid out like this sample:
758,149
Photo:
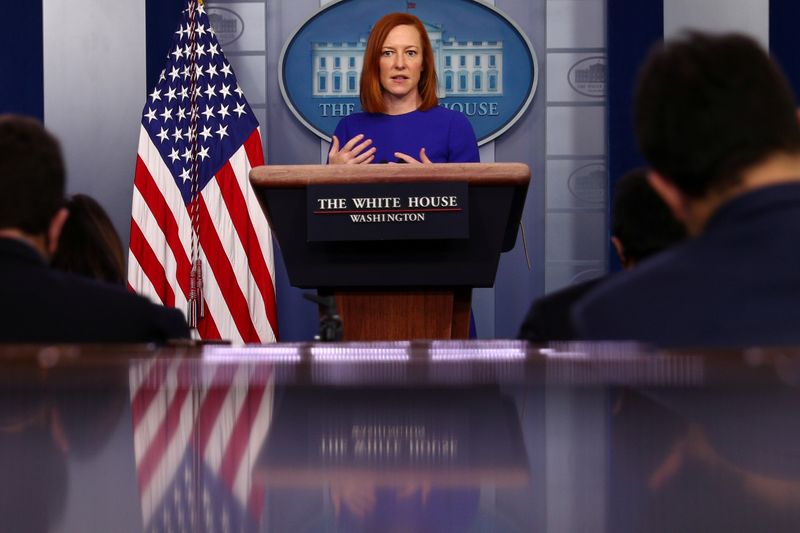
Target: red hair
370,86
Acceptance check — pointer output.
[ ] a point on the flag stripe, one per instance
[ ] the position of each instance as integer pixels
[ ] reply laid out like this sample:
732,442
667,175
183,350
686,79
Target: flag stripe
240,201
155,217
237,256
156,240
158,243
151,419
147,259
164,435
136,275
209,412
255,156
237,447
217,315
224,222
157,205
164,182
252,147
170,461
143,396
220,265
214,450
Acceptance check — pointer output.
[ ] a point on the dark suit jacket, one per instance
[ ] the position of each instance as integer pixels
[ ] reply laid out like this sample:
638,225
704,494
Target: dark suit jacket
736,284
41,304
549,319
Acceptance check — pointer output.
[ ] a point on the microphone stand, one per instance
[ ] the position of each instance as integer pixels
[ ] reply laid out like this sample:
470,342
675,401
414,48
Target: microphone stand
330,323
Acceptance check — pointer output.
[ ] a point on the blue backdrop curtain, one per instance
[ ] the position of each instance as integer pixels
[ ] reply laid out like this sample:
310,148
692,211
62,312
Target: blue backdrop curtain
22,59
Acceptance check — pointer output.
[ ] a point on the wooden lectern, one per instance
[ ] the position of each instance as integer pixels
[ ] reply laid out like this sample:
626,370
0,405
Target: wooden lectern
397,289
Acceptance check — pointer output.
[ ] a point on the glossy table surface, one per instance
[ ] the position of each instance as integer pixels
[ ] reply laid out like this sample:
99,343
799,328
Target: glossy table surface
496,436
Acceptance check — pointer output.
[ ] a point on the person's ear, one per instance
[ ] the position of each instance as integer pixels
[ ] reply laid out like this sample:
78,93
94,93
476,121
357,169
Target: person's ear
623,260
670,193
54,230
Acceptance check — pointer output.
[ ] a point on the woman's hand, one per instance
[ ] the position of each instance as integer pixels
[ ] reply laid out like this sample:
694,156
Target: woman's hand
351,153
423,158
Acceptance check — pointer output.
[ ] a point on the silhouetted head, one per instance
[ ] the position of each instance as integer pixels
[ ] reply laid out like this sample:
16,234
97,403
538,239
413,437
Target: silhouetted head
32,175
642,223
89,244
708,107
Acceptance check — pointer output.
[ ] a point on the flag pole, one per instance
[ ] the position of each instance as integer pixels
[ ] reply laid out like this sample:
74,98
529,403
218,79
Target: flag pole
196,309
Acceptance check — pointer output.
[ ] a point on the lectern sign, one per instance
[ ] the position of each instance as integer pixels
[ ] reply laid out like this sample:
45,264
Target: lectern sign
388,211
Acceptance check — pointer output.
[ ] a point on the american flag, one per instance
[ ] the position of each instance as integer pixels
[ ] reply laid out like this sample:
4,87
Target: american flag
199,239
197,433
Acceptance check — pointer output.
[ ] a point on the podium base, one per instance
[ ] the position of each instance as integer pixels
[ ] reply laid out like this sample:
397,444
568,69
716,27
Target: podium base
376,315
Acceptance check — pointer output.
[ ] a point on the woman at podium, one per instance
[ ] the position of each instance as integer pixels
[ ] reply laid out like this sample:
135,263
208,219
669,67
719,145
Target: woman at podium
401,120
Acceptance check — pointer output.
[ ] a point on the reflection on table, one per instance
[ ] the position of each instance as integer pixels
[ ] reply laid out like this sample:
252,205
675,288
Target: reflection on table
416,459
197,431
409,436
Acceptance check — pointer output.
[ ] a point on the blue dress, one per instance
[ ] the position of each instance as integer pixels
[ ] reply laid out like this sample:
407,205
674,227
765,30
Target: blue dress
446,135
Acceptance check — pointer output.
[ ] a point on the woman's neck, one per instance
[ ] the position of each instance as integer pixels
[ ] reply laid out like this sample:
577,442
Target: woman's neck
402,105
